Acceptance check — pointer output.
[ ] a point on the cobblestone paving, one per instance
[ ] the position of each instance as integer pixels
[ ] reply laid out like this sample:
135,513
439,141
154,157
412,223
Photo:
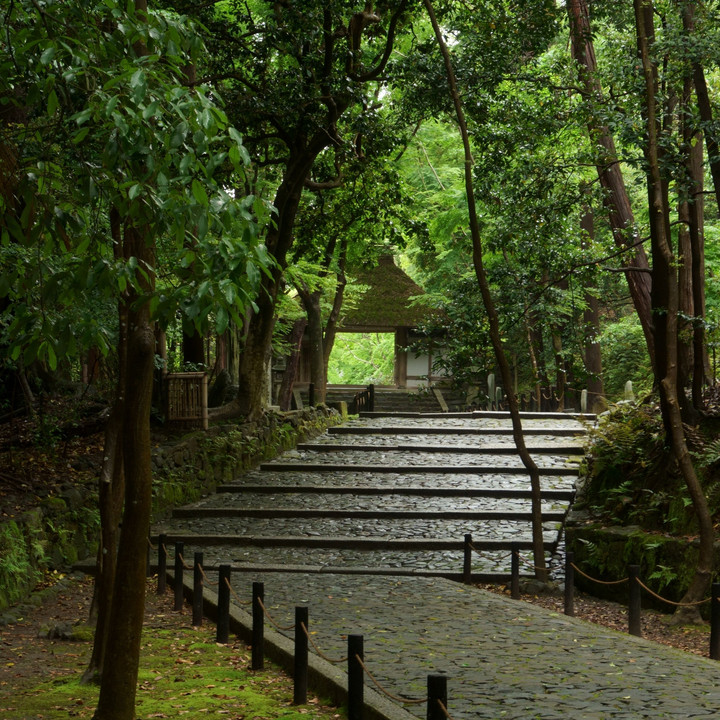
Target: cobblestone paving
430,480
503,658
390,527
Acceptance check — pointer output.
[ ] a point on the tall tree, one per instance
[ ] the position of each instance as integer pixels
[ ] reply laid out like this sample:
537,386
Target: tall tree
621,216
666,295
501,358
302,82
100,220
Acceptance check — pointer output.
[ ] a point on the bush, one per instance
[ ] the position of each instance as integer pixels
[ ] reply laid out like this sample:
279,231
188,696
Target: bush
625,357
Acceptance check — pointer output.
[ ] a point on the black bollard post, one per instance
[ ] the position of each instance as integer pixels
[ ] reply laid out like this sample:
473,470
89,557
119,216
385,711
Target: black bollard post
467,559
311,394
569,584
258,627
179,580
515,572
371,397
715,622
634,604
356,689
162,565
300,674
436,694
197,605
223,605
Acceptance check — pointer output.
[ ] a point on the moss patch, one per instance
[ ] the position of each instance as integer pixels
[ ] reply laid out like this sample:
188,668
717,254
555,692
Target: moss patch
182,673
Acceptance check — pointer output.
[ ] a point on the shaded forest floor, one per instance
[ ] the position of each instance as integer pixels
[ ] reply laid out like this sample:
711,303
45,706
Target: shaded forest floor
183,671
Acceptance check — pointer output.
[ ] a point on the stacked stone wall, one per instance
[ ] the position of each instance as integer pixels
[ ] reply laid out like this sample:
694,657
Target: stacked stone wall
64,528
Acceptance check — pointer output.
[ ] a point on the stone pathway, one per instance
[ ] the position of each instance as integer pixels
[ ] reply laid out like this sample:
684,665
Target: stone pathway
503,658
392,480
345,549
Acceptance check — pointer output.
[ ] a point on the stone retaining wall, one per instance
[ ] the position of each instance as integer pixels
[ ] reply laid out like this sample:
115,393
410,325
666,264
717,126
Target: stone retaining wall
64,529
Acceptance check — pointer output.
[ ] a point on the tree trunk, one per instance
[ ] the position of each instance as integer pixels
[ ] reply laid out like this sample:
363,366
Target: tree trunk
622,220
533,472
291,365
314,333
111,491
536,350
119,679
696,211
703,101
256,356
331,324
557,344
665,280
685,265
591,331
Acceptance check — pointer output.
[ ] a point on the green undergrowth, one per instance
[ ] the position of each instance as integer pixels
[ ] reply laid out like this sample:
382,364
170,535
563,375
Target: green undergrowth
632,479
634,504
183,673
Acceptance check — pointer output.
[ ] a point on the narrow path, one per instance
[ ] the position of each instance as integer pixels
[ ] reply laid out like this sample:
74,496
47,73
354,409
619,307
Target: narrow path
385,576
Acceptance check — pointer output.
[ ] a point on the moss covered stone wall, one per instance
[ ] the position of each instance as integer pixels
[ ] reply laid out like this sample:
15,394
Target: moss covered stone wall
64,528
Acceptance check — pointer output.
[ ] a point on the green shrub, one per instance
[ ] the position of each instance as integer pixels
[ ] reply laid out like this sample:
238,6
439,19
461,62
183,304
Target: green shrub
625,357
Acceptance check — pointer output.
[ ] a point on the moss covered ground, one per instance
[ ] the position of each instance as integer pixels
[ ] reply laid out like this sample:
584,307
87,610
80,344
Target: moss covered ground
183,673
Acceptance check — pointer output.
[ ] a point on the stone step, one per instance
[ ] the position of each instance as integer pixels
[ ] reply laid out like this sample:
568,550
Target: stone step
406,469
339,542
451,492
576,449
482,414
440,481
397,528
326,513
461,430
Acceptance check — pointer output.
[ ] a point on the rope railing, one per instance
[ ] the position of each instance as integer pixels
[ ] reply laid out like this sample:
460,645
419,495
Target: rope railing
672,602
443,709
332,661
436,698
529,563
235,595
184,564
483,553
206,579
282,628
596,580
387,693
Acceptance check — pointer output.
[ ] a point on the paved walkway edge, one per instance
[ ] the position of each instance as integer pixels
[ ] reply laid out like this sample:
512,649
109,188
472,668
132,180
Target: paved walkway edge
324,679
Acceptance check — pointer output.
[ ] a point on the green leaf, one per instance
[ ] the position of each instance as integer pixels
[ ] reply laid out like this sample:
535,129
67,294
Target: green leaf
221,321
82,117
48,55
80,135
134,191
52,357
150,110
52,103
199,193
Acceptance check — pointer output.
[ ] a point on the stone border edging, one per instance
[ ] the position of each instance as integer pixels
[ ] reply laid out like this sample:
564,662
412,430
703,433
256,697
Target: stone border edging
324,679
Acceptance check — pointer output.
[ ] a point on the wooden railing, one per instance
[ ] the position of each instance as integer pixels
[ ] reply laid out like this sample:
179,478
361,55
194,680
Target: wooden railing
186,399
364,401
